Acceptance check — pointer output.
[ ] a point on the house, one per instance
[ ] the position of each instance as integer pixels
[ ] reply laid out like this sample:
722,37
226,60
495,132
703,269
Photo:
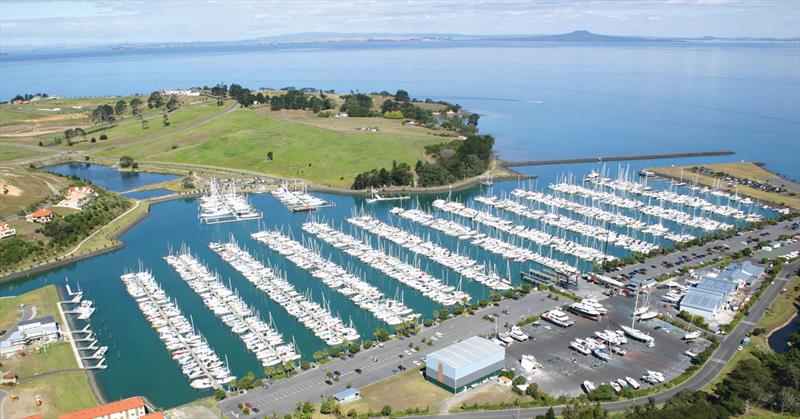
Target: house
132,408
38,331
77,197
41,215
6,230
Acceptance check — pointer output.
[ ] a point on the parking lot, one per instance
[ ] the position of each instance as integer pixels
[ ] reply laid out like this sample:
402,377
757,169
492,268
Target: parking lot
564,369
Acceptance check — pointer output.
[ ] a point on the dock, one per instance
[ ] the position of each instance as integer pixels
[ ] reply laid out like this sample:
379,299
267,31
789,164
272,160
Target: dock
505,163
83,311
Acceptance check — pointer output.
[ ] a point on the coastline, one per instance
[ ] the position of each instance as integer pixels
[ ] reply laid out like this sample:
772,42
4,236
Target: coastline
96,391
48,266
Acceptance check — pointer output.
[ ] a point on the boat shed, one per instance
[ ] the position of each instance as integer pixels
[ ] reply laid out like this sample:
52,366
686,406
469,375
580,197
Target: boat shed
458,366
700,302
347,395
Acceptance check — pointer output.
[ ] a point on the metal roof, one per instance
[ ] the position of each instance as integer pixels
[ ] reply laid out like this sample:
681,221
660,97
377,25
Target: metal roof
701,300
724,286
466,352
346,394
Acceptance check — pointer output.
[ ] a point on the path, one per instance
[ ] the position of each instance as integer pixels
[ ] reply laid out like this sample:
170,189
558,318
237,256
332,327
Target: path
101,229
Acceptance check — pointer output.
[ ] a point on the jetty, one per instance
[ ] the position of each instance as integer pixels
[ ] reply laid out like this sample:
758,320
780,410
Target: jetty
505,163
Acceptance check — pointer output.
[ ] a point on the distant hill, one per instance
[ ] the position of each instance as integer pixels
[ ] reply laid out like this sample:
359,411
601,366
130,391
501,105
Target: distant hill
582,36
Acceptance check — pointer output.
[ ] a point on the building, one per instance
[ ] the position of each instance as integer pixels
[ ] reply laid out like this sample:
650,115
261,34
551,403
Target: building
347,395
41,215
77,197
6,230
458,366
132,408
699,302
38,331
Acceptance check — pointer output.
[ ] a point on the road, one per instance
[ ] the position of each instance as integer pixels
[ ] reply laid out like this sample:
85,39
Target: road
704,375
309,385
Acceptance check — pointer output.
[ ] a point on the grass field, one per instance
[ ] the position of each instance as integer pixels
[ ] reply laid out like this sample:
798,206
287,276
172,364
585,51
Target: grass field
745,170
8,153
44,299
408,390
57,356
491,393
241,140
59,394
27,187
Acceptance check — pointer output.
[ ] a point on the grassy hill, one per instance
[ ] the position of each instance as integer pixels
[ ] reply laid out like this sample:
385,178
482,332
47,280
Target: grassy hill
241,140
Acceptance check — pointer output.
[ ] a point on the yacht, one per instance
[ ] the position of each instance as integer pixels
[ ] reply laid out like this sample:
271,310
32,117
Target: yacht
692,335
632,381
518,334
588,386
558,318
528,363
585,310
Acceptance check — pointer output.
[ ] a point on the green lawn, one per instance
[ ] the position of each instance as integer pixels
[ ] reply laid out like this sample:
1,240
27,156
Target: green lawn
60,393
44,299
8,153
58,356
241,140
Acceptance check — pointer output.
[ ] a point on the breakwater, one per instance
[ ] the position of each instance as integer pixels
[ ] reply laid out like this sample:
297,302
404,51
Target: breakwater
505,163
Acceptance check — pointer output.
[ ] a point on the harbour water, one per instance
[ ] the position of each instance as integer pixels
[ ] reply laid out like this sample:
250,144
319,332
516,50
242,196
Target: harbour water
540,100
135,351
779,340
109,178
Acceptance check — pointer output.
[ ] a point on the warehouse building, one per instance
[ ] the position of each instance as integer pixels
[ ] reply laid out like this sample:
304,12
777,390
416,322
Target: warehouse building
458,366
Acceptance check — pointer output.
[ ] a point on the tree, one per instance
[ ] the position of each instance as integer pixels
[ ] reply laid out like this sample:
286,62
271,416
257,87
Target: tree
381,334
120,107
329,406
473,119
357,105
135,103
269,155
248,381
354,348
103,113
103,137
220,394
125,162
156,100
386,410
401,96
165,120
145,124
172,103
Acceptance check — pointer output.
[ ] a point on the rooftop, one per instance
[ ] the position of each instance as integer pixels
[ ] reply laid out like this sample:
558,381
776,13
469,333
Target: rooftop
466,352
701,299
105,409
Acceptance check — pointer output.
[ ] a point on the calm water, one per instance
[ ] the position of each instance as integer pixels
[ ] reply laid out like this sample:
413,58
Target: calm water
109,178
541,100
135,350
150,193
779,341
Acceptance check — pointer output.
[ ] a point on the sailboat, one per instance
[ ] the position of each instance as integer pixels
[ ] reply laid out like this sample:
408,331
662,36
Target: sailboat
633,332
376,197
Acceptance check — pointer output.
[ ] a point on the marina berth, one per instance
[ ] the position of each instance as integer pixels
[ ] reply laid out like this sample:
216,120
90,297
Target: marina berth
260,338
490,244
298,200
463,265
219,207
315,317
677,216
391,266
599,234
361,293
539,237
188,348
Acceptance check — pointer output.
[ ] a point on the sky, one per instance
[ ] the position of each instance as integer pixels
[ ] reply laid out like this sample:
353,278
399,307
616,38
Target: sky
66,22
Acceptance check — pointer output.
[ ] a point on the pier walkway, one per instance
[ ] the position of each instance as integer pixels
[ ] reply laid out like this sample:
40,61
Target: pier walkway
505,163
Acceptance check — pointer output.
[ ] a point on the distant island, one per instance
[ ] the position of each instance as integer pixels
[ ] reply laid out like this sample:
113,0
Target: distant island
365,39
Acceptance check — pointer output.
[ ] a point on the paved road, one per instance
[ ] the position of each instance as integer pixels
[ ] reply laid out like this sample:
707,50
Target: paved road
707,372
309,385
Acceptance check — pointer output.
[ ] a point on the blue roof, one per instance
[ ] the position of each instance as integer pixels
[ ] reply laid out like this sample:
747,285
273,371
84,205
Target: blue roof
701,300
719,285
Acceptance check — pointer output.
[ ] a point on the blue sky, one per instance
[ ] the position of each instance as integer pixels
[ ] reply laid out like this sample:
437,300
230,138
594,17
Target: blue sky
60,22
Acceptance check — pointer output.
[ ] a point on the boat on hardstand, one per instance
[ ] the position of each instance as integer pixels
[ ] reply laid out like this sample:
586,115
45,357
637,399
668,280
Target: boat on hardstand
558,318
692,335
649,315
601,354
638,335
588,386
585,310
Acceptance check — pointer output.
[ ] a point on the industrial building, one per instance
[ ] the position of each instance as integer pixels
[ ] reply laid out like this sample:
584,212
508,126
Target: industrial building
714,290
458,366
39,331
